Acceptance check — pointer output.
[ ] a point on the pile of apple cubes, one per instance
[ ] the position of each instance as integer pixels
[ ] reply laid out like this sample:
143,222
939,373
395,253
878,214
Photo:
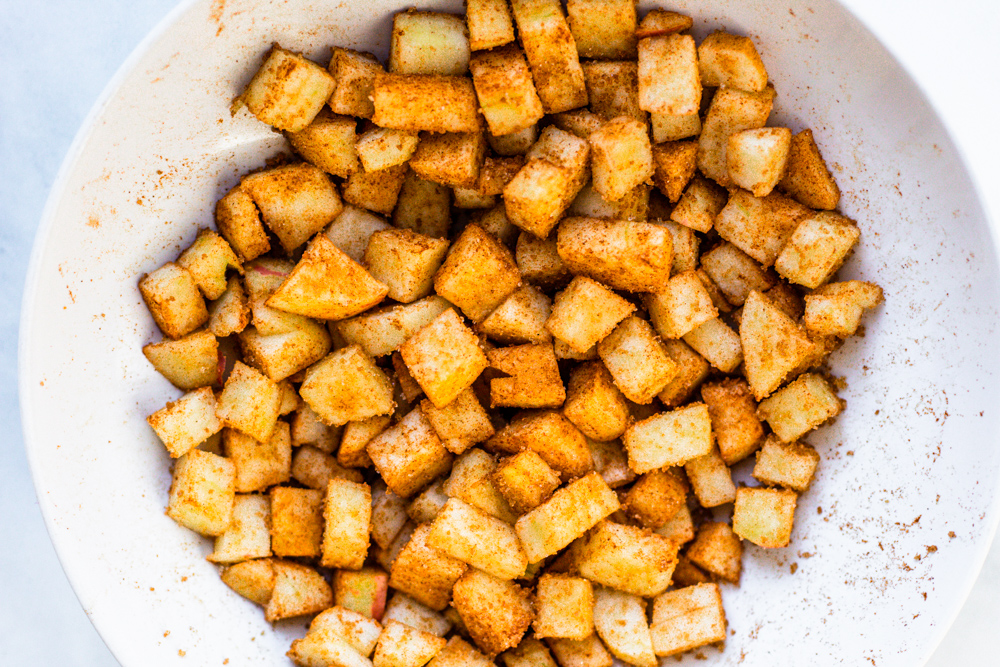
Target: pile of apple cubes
501,393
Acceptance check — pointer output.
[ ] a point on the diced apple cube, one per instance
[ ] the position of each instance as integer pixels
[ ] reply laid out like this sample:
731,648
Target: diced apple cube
347,386
295,201
835,309
669,438
520,318
817,248
460,424
622,157
595,404
692,369
172,296
756,159
620,619
711,479
296,521
425,102
731,60
798,408
637,360
248,535
764,516
496,612
585,313
624,254
259,464
699,205
669,82
347,522
613,88
453,159
444,358
681,306
738,430
555,171
203,492
525,480
409,455
774,347
253,579
759,226
281,355
568,514
405,262
355,439
478,274
381,148
425,573
656,497
337,636
529,653
490,24
230,313
735,273
329,143
687,618
807,178
187,422
362,592
429,43
471,481
564,607
207,260
674,127
377,191
423,206
717,549
287,91
552,54
406,610
717,343
383,330
399,645
787,464
627,558
532,381
298,591
354,73
589,652
250,402
505,90
459,653
315,468
238,220
474,537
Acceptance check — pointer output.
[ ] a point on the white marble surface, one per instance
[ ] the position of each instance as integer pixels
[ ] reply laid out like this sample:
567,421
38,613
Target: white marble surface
57,56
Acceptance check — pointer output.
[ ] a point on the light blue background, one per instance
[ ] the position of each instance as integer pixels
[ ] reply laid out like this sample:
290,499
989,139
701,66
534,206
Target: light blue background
56,57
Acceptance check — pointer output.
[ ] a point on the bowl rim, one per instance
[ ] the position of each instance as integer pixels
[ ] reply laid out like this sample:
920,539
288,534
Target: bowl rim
73,155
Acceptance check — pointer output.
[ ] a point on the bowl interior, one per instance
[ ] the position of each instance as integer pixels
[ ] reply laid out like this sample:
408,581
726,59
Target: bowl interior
887,540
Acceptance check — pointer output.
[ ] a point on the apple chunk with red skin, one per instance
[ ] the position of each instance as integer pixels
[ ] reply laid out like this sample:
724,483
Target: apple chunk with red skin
363,591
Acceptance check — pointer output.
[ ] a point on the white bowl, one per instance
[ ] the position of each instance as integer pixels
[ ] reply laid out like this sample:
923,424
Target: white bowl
887,541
